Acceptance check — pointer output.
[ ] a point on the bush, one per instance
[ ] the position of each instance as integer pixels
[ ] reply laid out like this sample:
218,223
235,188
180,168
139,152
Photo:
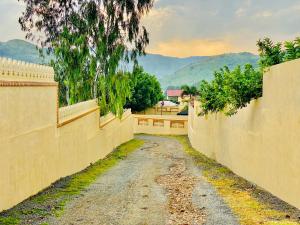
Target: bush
184,111
230,90
272,54
145,91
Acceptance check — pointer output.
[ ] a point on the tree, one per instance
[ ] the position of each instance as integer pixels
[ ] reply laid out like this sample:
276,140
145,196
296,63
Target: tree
213,97
145,89
189,90
99,33
292,49
270,53
230,90
71,55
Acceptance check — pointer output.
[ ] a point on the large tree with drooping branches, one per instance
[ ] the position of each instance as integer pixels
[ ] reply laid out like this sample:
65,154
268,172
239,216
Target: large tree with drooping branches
90,38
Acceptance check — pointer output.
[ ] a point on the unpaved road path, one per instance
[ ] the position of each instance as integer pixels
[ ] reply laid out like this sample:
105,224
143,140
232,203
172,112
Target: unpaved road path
157,184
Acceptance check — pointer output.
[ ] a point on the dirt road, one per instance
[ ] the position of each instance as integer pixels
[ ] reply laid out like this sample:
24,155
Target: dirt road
157,184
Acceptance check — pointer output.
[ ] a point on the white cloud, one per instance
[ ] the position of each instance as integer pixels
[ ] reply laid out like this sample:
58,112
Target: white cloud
237,23
263,14
10,11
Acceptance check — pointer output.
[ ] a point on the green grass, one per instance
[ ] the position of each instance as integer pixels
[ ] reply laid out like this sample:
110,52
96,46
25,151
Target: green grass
238,193
52,201
10,220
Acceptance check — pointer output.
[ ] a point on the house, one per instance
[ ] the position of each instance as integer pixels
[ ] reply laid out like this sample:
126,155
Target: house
174,95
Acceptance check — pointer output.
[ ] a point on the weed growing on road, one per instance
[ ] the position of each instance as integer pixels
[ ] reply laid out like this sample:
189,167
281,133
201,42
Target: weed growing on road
251,205
51,202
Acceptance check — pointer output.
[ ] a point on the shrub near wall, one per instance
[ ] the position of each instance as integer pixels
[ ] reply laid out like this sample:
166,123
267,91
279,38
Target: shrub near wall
261,142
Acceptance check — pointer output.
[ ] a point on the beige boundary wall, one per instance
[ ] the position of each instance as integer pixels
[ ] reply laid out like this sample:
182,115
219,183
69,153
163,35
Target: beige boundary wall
164,125
40,143
262,141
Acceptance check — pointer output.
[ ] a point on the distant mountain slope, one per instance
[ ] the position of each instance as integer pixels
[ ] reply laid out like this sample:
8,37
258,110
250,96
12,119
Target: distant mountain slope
203,69
170,71
164,65
155,64
21,50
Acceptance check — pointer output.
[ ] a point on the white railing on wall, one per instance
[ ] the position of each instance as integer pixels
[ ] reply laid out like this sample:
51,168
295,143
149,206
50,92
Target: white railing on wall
12,70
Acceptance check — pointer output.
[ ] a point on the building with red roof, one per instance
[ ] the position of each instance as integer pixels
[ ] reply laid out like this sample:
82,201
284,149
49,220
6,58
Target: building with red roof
174,95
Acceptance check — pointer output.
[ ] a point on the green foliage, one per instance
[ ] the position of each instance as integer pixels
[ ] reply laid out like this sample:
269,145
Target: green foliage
89,40
189,90
163,67
230,90
203,68
146,90
184,111
71,69
272,54
9,220
114,91
292,49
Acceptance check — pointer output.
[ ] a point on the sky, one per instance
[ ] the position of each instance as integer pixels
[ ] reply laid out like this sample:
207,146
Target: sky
184,28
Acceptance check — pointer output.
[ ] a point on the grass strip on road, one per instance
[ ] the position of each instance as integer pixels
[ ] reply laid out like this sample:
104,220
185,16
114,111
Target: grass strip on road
51,202
251,204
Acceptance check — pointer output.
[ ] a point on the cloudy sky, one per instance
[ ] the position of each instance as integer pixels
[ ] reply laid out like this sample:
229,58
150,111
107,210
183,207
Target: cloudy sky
199,27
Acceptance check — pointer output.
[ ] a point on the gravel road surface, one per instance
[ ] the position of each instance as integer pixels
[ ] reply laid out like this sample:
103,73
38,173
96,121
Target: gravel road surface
157,184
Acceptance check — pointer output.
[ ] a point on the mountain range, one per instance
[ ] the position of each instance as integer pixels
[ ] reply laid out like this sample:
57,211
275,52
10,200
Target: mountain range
170,71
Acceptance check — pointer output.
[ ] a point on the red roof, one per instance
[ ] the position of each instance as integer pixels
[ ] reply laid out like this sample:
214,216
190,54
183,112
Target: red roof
174,93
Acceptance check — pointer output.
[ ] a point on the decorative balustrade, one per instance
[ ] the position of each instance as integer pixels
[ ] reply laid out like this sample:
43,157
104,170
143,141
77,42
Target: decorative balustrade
12,70
154,124
177,124
158,123
69,113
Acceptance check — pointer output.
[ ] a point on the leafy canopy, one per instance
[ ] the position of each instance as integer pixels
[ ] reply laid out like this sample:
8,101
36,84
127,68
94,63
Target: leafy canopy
90,39
273,54
230,90
145,89
189,90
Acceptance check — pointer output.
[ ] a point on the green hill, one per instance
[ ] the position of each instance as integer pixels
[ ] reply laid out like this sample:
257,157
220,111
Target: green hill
170,71
203,69
164,65
21,50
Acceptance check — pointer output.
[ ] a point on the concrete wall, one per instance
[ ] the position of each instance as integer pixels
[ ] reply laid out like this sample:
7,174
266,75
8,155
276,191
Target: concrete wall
40,143
165,125
261,142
